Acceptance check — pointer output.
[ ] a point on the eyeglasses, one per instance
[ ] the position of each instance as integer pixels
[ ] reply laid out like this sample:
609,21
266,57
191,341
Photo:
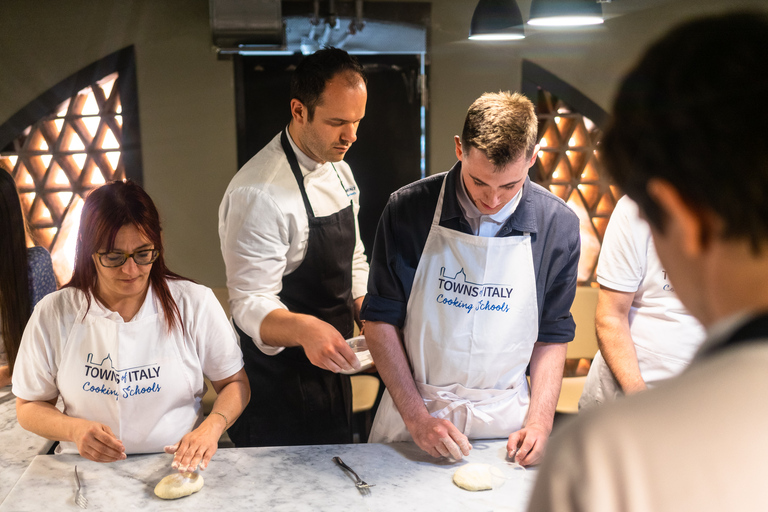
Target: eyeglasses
117,259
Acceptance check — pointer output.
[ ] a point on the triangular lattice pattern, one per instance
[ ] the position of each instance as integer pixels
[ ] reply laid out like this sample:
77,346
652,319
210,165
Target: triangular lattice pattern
61,158
569,166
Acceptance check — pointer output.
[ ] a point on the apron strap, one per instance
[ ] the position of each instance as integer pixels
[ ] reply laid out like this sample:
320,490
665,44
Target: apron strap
294,163
439,207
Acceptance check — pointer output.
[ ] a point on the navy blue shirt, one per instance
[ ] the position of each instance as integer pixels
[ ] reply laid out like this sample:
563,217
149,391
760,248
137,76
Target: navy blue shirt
405,224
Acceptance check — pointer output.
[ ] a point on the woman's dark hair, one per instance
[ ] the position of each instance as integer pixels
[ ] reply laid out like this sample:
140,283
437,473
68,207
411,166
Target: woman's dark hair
313,72
15,305
106,210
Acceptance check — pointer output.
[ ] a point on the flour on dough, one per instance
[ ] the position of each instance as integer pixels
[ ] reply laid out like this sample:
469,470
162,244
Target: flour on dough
178,485
474,477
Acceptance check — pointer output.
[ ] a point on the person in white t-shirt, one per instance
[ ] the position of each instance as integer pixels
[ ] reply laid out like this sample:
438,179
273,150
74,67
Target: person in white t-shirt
645,334
126,345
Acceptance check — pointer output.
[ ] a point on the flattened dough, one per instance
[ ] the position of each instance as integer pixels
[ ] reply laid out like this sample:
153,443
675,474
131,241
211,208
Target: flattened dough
474,477
178,485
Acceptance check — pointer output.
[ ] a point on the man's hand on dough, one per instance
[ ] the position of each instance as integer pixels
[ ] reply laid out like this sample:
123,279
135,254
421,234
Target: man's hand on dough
96,442
440,438
526,446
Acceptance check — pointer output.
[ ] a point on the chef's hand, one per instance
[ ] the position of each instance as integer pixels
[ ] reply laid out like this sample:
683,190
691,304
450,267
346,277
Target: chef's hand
96,442
440,438
526,446
327,349
197,447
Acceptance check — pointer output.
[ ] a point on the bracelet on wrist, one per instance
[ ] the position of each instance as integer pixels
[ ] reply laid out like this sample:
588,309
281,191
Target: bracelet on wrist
226,421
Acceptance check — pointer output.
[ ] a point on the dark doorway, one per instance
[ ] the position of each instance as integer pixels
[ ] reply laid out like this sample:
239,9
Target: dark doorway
388,151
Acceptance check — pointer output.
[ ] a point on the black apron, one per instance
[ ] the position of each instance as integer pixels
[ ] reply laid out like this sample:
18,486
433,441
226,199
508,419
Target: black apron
293,402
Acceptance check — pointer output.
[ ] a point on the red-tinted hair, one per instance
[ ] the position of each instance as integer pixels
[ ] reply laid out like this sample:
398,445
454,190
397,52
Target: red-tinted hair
106,210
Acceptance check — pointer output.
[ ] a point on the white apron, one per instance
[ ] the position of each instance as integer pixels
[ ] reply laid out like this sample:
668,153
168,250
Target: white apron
471,324
130,377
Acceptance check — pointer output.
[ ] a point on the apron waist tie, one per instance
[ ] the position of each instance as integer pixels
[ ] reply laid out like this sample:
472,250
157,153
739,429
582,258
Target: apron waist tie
457,401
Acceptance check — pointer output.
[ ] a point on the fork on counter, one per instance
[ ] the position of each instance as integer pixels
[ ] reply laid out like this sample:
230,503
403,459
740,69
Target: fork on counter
361,485
80,498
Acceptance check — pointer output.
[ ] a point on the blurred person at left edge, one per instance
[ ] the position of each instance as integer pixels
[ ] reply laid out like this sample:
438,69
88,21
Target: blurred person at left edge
126,344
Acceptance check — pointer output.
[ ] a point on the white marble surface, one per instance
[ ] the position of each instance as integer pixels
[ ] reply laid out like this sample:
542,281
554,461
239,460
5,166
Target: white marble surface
17,446
298,478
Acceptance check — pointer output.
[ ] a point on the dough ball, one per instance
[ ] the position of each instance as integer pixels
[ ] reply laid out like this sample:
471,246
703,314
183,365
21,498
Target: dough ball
178,485
476,477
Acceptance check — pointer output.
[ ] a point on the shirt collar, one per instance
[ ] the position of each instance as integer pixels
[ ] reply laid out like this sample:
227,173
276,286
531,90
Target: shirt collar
306,164
148,308
471,212
721,331
523,219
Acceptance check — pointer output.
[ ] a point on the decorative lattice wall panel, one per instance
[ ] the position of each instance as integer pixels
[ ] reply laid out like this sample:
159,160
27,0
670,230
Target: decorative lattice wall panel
569,166
62,157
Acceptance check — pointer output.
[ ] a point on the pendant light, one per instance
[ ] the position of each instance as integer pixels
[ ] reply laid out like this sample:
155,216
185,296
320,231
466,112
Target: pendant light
565,13
496,20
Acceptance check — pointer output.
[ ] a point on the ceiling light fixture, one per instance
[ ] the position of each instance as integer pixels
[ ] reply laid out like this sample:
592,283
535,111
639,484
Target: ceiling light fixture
496,20
565,13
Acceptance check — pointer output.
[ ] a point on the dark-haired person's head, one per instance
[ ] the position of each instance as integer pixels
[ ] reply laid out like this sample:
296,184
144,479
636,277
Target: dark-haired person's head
314,71
328,101
107,213
692,113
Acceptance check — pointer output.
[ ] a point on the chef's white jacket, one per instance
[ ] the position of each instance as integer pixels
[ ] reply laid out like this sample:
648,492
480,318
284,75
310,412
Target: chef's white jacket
263,229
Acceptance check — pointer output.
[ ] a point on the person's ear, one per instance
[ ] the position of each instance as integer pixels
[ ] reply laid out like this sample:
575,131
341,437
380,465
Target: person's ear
693,227
298,111
534,156
459,152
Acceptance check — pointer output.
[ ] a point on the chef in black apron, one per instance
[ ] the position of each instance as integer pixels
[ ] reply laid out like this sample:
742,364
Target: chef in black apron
298,397
305,404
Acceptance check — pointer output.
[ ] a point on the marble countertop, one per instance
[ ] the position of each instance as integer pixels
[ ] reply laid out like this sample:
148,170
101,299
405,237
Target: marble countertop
18,447
295,478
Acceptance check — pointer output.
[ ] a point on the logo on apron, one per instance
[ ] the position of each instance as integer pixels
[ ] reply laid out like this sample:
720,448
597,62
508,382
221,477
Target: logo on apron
453,290
136,378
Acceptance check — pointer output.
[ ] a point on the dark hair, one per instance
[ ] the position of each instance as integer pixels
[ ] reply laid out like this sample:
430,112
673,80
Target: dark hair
692,112
502,125
106,210
15,305
313,72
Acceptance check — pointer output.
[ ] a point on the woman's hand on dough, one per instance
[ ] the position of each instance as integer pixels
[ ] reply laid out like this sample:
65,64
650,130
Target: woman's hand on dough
96,442
196,448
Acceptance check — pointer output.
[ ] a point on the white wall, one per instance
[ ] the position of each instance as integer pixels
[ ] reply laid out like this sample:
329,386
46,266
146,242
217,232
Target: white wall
186,95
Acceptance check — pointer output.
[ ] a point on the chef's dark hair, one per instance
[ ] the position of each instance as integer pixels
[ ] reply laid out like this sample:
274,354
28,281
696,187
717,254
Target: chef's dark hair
14,283
693,113
106,210
313,72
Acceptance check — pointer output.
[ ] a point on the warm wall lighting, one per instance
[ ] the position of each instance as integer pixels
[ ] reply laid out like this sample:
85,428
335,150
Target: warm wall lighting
496,20
565,13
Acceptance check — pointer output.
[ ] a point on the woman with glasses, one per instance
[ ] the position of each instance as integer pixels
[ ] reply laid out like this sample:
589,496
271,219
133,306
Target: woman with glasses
126,345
